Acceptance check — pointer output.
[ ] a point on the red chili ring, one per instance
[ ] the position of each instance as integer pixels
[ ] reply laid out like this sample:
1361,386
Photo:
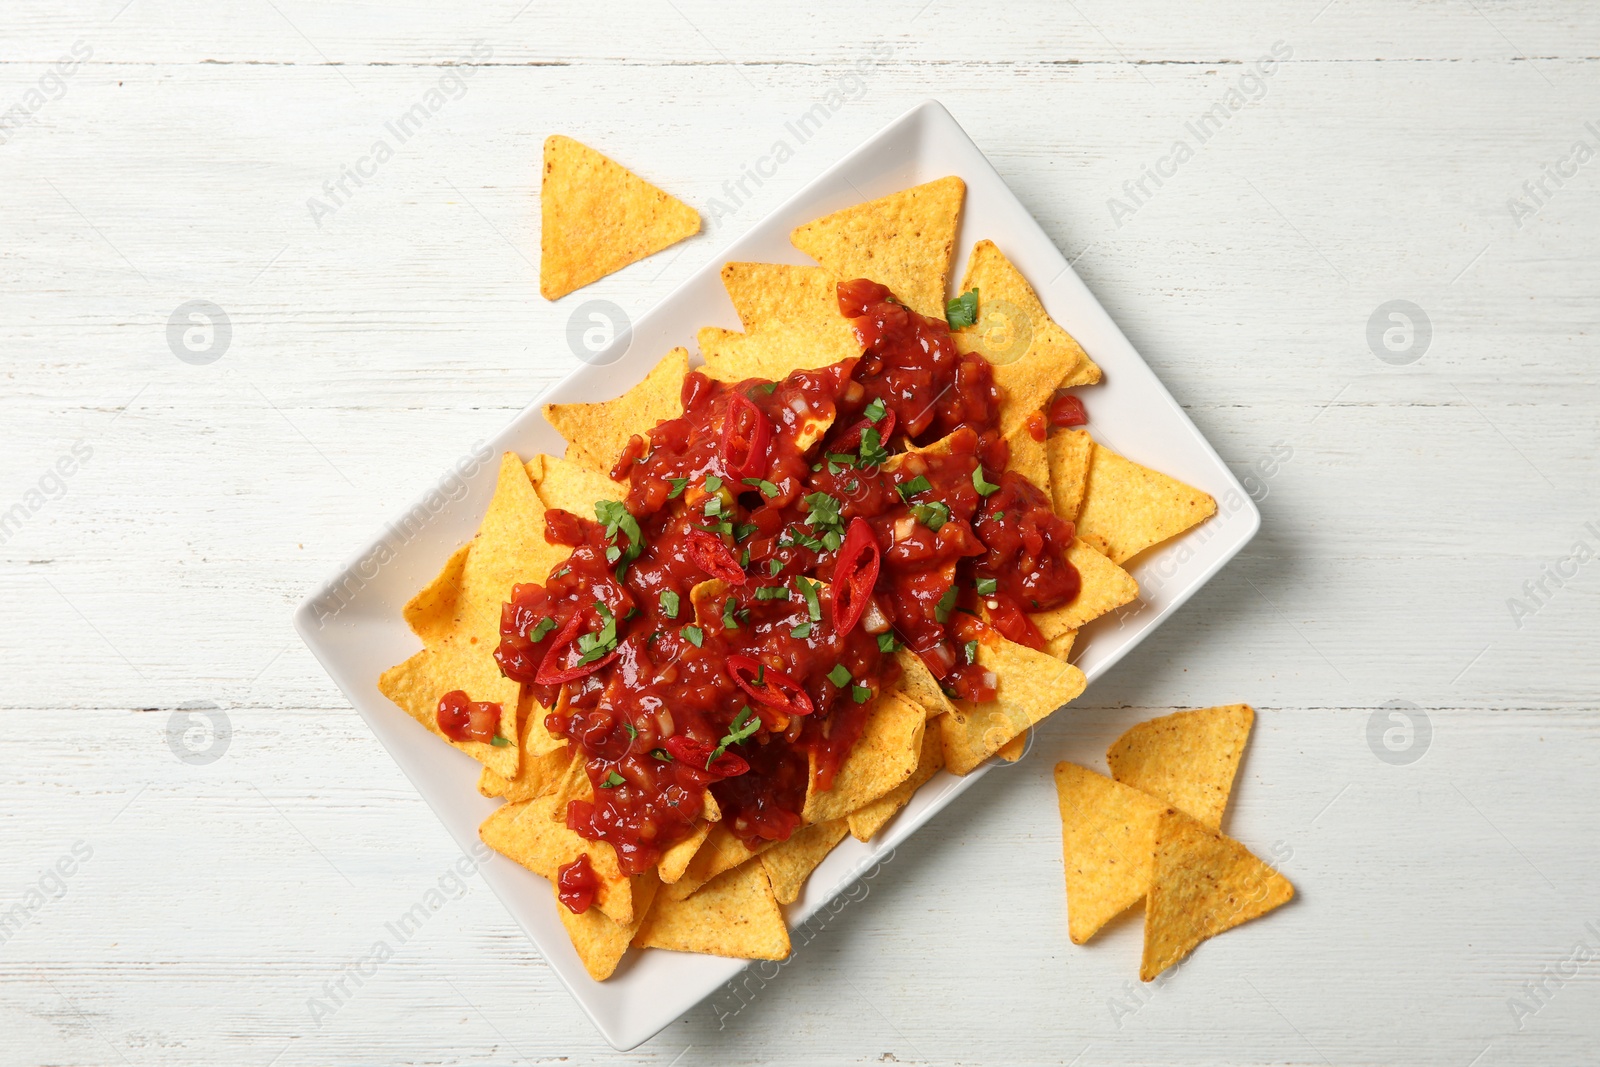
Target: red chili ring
551,672
697,754
775,689
746,435
854,574
708,552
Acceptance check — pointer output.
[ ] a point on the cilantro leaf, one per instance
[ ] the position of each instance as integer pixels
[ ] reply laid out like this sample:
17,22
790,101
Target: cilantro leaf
767,489
802,631
919,484
616,516
932,515
613,780
860,693
728,621
984,488
633,731
677,487
661,754
887,643
839,676
500,742
808,589
941,610
669,603
971,649
988,586
875,410
546,624
962,311
601,642
872,452
694,635
772,592
744,724
713,483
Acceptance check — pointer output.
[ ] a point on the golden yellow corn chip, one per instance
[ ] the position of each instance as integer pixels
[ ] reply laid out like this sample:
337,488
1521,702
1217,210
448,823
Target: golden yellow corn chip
601,941
883,756
1107,834
721,852
601,431
1201,884
1060,646
534,834
1105,587
867,820
735,915
458,618
569,486
597,217
1070,452
1032,356
918,683
674,862
903,240
1013,749
789,863
773,352
765,294
1029,458
540,770
1127,508
1032,684
1187,759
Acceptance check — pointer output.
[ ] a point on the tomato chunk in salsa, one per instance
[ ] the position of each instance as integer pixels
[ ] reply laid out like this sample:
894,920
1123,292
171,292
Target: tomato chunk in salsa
725,629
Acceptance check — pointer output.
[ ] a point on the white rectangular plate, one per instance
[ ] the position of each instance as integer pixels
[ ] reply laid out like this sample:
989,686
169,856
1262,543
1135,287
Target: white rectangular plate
353,623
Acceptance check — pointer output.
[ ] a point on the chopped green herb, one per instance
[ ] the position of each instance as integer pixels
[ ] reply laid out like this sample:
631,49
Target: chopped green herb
839,676
919,484
769,388
729,606
860,693
613,554
669,603
602,642
971,649
887,643
941,610
713,483
962,311
773,567
984,488
616,516
661,754
546,624
677,487
999,516
872,453
772,592
744,724
633,731
713,507
808,589
932,515
767,489
802,631
562,573
875,410
613,780
694,635
988,586
743,530
500,742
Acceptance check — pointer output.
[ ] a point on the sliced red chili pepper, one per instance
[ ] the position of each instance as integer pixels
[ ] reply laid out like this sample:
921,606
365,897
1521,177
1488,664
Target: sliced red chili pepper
746,434
1067,410
710,554
552,669
854,574
698,754
850,440
772,688
461,718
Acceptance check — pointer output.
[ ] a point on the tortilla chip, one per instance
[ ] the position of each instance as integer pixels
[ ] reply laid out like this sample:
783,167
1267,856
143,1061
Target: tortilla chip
1127,508
1032,684
1107,834
600,941
1060,646
789,863
1032,356
1187,759
545,760
804,297
867,820
674,862
918,683
903,240
569,486
1105,587
772,353
883,756
534,834
601,431
1030,458
736,915
1201,884
721,852
458,618
597,217
491,784
1013,749
1070,452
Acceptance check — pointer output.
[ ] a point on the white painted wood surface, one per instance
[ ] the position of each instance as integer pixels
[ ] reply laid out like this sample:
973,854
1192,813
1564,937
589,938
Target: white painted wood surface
1407,505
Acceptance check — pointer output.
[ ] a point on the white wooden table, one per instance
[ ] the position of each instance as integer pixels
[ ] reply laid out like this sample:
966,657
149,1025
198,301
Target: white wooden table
190,897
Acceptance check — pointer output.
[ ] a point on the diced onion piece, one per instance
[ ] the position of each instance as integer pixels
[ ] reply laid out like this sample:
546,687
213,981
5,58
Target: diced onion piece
873,620
903,528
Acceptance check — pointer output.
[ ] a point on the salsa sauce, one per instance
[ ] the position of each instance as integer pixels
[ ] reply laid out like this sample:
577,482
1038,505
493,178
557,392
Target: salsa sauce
825,552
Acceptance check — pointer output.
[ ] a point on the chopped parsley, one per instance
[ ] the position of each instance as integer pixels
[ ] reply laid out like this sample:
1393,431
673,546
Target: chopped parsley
538,633
839,676
616,516
941,610
984,488
669,603
887,643
613,780
767,489
694,635
875,410
919,484
600,643
772,592
677,487
962,311
823,515
773,567
860,693
932,515
872,453
988,586
808,589
713,483
802,631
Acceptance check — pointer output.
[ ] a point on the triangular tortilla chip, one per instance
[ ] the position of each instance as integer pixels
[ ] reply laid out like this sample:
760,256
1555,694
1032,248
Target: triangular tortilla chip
918,683
883,756
721,852
1013,749
1107,834
1201,884
903,240
1032,356
803,297
1105,587
601,431
866,821
1032,684
1127,507
674,862
597,217
570,486
1187,759
1030,458
534,834
1070,452
1060,646
773,352
600,941
736,915
789,863
538,772
458,618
